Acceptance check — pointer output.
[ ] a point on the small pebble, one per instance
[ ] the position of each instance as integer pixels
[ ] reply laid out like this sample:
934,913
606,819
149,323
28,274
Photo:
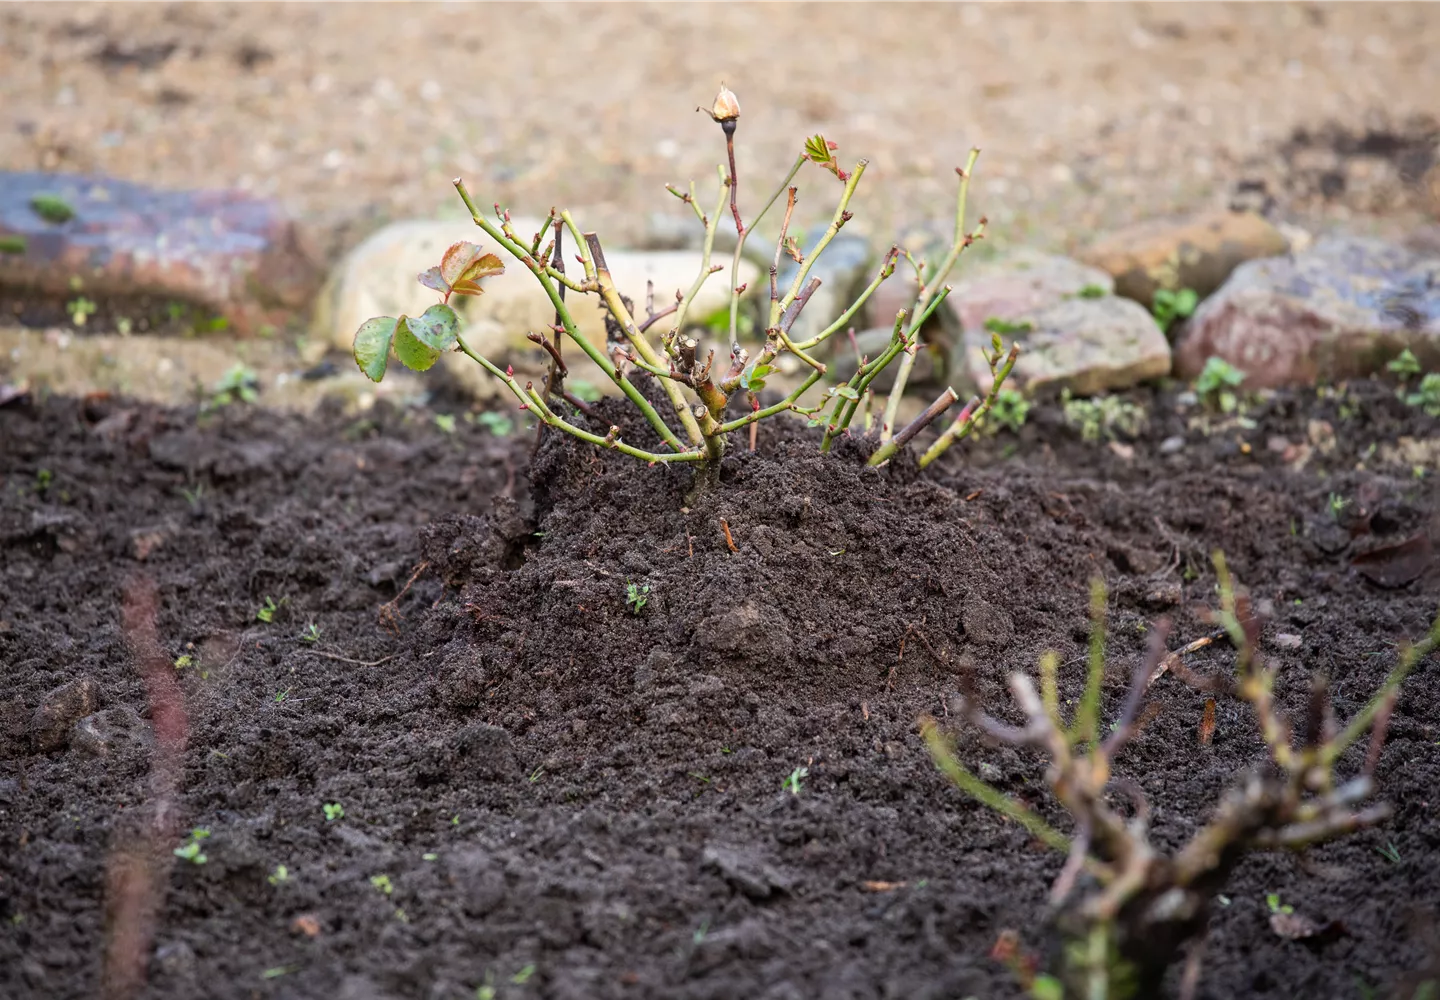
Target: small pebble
1172,445
1287,640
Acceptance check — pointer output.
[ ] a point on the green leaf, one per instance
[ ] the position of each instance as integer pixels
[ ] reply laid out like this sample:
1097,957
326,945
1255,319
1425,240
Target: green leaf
847,392
817,149
468,283
412,352
432,278
436,328
1185,302
372,346
753,377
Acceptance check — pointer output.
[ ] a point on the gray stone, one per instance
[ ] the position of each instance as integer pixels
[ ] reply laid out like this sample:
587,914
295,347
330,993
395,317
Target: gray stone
1197,252
61,709
1086,345
237,256
1345,308
1019,286
844,271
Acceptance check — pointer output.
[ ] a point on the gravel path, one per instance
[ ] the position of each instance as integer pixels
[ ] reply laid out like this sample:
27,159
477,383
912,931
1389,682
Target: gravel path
1089,115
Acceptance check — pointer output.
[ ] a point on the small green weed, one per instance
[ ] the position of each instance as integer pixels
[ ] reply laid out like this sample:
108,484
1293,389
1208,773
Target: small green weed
1404,365
445,423
496,423
333,811
382,883
1272,900
52,208
1428,395
311,633
1010,409
43,479
80,309
1390,853
190,850
1103,416
1216,383
584,391
637,595
792,783
523,976
1336,504
239,382
1172,304
279,875
267,610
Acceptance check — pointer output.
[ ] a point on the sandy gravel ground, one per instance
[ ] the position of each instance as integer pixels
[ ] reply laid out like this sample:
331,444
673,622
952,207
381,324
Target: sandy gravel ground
1089,115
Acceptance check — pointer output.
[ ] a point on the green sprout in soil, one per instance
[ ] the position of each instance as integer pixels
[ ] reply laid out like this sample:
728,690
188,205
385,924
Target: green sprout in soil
333,811
1404,365
445,423
1107,417
1123,907
1011,409
1272,901
238,382
1427,397
267,610
1216,384
279,875
1336,504
498,423
311,633
698,387
792,783
190,850
1172,304
637,595
44,478
52,208
1390,853
382,883
80,309
523,976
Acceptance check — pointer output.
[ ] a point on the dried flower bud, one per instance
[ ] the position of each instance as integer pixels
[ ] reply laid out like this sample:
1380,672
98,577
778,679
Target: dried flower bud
726,109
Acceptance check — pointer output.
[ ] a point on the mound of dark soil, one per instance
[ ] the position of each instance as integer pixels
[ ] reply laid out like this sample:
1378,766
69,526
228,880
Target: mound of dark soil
713,789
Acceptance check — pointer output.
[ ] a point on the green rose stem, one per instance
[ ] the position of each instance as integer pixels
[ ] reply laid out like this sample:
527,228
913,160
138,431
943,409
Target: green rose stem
927,291
968,418
604,363
887,450
531,400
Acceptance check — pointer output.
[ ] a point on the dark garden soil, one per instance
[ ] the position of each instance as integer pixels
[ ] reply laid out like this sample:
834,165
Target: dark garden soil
570,799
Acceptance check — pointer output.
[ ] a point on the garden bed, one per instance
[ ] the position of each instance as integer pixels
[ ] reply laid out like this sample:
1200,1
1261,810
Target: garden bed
568,796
